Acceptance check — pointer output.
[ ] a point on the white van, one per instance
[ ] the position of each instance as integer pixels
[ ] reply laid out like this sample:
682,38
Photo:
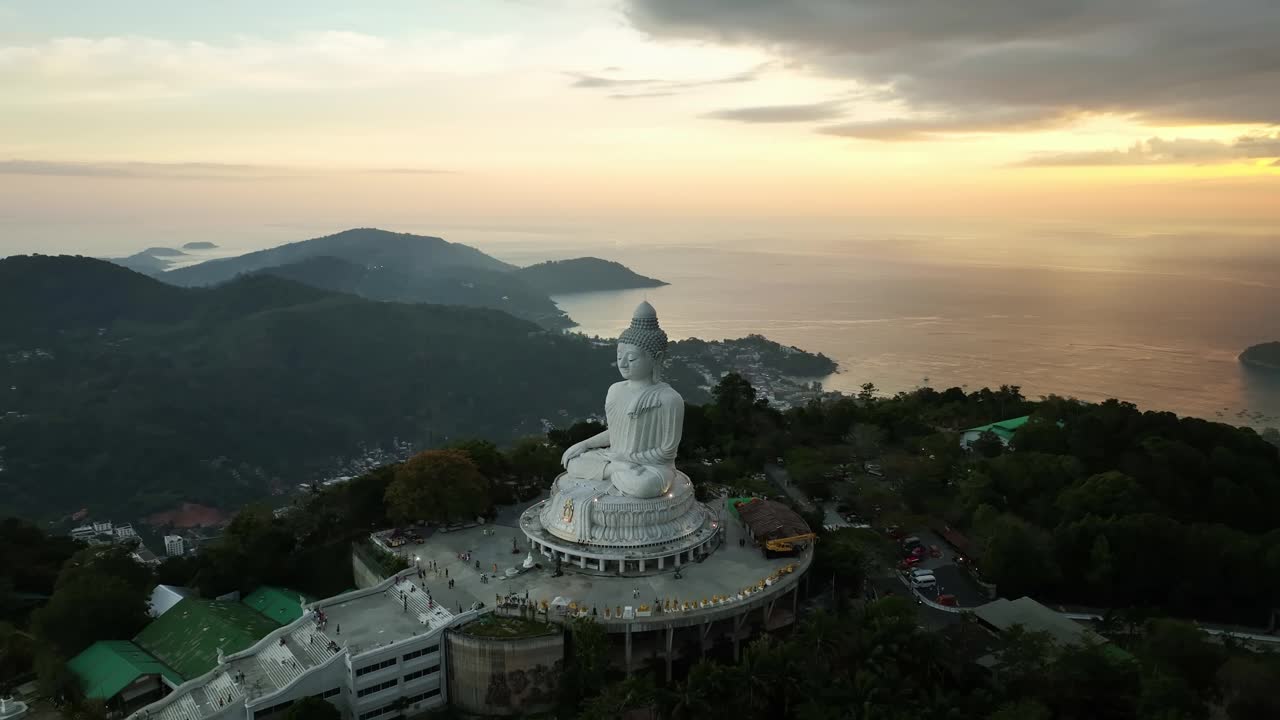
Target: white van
924,581
921,572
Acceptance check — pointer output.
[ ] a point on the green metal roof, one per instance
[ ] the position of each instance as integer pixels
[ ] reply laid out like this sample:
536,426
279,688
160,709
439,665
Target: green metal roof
1004,428
276,603
107,667
187,637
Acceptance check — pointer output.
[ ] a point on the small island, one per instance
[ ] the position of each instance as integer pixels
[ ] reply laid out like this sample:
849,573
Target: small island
1263,357
162,252
200,245
585,274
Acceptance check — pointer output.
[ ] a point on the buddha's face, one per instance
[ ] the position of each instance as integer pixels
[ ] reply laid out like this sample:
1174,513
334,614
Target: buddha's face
634,363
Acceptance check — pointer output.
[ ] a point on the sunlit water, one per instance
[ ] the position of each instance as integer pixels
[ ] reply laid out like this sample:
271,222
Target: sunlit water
1151,315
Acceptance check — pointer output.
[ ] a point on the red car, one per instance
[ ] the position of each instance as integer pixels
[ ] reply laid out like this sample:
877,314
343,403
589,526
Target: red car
948,600
909,562
917,552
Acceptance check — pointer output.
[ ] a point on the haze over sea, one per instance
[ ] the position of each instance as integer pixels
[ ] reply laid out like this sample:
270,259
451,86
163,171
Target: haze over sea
1151,315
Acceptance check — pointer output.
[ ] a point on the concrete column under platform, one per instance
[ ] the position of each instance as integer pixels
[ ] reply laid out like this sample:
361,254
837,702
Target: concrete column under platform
628,649
671,633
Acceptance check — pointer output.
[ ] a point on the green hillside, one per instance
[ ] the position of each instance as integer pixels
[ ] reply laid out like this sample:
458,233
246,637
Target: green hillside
127,393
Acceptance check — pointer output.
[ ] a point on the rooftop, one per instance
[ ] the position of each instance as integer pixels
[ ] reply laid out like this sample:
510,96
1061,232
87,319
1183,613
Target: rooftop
187,637
1003,614
1004,428
276,603
366,621
107,667
771,520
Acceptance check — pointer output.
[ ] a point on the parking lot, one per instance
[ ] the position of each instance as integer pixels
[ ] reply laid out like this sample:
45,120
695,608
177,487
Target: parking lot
952,580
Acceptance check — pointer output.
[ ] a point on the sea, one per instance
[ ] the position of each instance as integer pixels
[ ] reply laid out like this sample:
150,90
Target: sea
1147,313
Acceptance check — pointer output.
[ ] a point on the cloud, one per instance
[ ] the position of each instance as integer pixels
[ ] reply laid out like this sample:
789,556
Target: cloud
187,171
929,128
596,81
972,63
640,95
1158,151
658,87
118,68
781,113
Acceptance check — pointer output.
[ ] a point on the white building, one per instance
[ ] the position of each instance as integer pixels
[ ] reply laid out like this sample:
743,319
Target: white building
103,528
373,653
174,545
125,531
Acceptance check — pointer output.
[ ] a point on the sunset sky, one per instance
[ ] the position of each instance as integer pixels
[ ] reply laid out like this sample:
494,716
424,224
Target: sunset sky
534,109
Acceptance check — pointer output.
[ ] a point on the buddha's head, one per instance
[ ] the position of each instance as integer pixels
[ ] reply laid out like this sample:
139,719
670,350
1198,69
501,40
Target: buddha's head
643,346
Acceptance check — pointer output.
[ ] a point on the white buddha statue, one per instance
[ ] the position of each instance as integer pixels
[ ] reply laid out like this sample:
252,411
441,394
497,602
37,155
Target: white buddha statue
645,418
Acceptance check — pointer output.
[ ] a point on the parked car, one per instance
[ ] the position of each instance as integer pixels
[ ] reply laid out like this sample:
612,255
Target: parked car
912,542
948,600
909,562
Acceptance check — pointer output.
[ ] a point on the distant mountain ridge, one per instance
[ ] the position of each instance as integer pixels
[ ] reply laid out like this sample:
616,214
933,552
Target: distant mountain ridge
584,274
400,267
389,266
366,246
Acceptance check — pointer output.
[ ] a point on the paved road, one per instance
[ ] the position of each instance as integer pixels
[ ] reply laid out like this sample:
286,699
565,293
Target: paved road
781,479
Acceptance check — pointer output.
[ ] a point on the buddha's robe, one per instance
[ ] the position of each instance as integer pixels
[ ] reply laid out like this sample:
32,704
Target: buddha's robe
644,435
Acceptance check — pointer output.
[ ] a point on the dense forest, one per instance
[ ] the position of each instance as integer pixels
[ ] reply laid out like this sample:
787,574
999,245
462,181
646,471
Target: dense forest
124,392
856,659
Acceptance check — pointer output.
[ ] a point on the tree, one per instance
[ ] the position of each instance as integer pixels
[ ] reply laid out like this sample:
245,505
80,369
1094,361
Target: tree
101,594
438,486
844,557
533,458
486,456
1180,649
988,444
1021,710
1019,558
576,433
629,698
1101,568
312,708
867,394
866,439
584,673
1249,689
1106,495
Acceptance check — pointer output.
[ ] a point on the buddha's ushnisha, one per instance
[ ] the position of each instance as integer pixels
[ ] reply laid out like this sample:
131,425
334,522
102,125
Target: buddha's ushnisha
644,415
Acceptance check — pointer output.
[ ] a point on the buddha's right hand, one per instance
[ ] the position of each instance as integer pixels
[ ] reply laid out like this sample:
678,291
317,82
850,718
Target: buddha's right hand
574,451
